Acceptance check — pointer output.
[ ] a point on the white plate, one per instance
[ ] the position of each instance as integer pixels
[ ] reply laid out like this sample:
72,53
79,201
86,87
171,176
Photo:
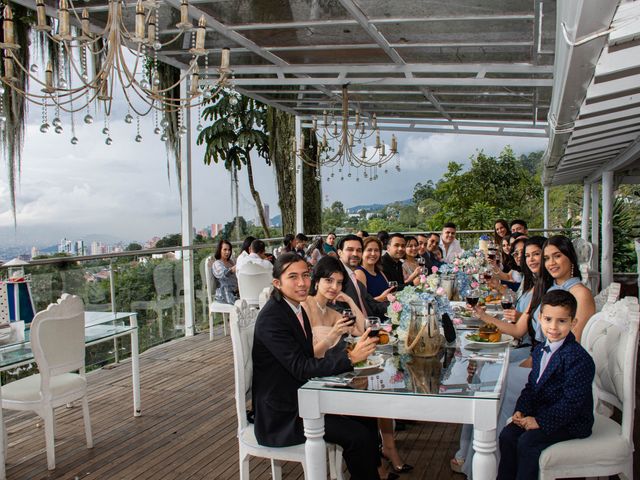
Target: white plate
374,361
505,340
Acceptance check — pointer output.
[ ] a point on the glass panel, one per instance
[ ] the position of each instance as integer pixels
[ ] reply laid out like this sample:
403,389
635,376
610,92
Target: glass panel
456,372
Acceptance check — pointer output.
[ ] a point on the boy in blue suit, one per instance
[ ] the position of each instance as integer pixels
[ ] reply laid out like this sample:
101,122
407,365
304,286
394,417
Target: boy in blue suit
557,402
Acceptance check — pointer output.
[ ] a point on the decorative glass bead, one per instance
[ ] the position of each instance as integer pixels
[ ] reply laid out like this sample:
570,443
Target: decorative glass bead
105,131
157,45
108,141
58,130
128,118
157,130
199,127
233,101
74,140
138,138
44,128
33,68
88,119
164,123
163,137
144,84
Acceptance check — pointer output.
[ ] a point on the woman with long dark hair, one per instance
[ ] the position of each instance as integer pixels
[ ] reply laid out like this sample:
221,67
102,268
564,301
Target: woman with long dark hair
224,270
283,361
327,324
560,270
500,230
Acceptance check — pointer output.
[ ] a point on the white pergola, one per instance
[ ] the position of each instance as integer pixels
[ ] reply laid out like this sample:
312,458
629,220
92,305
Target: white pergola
490,67
594,132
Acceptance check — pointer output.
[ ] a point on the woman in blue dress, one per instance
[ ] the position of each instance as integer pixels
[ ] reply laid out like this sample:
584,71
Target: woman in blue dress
369,273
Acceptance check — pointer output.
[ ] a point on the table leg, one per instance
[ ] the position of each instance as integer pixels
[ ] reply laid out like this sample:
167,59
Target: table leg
3,446
135,367
484,458
315,449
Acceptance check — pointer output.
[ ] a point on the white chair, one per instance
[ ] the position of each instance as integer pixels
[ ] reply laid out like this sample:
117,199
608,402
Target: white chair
607,296
215,307
611,337
57,340
584,251
265,294
252,279
242,325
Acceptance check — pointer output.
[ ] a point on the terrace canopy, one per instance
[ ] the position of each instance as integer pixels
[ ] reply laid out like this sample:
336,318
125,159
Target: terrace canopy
486,67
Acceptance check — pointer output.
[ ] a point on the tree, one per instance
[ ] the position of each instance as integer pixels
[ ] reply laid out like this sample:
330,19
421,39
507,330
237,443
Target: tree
236,131
173,240
423,192
133,246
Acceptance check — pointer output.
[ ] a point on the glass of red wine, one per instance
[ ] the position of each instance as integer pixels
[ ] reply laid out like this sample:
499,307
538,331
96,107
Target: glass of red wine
472,297
351,316
374,324
507,300
393,284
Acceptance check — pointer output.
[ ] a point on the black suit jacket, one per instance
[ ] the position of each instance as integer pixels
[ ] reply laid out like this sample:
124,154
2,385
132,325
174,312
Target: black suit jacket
282,362
392,269
374,308
428,261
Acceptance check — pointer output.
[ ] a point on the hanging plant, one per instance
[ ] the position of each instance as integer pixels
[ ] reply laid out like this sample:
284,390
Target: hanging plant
14,107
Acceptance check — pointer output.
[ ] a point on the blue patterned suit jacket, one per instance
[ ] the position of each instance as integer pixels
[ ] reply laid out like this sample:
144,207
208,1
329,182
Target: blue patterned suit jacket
563,399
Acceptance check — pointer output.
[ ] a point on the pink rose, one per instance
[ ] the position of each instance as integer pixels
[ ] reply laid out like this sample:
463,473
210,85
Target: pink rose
387,327
391,297
434,269
423,279
440,291
396,307
474,284
456,269
457,321
456,262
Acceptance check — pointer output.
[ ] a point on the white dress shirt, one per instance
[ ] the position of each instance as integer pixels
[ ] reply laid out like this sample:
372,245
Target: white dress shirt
449,255
255,259
546,356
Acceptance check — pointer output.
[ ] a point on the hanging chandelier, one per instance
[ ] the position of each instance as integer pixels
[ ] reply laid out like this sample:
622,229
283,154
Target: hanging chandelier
92,62
342,143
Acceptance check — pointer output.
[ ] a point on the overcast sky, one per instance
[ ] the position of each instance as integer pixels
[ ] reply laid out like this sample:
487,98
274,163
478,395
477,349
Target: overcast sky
123,189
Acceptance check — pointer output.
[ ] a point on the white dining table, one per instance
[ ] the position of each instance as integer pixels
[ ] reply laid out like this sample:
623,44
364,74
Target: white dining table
399,392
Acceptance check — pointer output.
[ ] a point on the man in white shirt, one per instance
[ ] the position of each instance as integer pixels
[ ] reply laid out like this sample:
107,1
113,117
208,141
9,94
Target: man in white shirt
257,256
449,244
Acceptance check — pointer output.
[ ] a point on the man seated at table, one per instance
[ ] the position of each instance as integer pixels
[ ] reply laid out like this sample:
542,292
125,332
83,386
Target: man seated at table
300,244
391,263
557,402
257,256
283,361
350,253
329,245
519,226
434,250
423,240
448,243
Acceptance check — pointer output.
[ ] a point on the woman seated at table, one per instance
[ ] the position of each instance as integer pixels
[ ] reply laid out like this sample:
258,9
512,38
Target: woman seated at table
225,272
410,267
369,273
329,326
513,276
500,230
283,361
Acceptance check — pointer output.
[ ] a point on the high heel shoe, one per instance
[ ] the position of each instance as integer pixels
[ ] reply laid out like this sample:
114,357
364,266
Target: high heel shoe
404,468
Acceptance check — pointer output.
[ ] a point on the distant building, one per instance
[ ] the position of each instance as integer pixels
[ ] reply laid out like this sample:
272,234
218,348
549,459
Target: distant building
79,248
34,252
265,208
151,243
66,246
216,228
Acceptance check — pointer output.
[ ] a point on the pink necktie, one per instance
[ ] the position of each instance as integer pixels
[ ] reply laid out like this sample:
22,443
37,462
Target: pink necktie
301,320
352,275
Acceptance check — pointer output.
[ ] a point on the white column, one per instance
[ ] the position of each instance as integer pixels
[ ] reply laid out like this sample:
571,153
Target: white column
187,220
607,229
586,204
546,209
298,160
595,225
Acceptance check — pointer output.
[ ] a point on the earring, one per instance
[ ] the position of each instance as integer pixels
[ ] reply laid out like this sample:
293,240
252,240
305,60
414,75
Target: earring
572,270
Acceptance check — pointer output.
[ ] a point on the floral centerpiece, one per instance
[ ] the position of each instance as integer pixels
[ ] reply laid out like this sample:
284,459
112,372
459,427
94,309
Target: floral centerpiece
399,310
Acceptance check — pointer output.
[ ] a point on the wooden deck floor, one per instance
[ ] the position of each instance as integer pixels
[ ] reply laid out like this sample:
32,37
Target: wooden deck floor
187,428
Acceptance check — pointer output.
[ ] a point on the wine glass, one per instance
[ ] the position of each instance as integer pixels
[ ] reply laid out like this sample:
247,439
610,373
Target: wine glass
472,297
375,325
508,299
347,313
393,284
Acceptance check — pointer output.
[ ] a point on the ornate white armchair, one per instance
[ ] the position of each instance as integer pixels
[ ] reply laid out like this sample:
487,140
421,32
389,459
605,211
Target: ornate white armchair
589,276
611,337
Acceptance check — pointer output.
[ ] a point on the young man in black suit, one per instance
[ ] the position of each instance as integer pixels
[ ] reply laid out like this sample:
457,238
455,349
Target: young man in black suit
391,262
283,361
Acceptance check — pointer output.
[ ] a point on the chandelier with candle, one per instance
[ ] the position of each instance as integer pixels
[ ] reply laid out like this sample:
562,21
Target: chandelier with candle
342,143
94,61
